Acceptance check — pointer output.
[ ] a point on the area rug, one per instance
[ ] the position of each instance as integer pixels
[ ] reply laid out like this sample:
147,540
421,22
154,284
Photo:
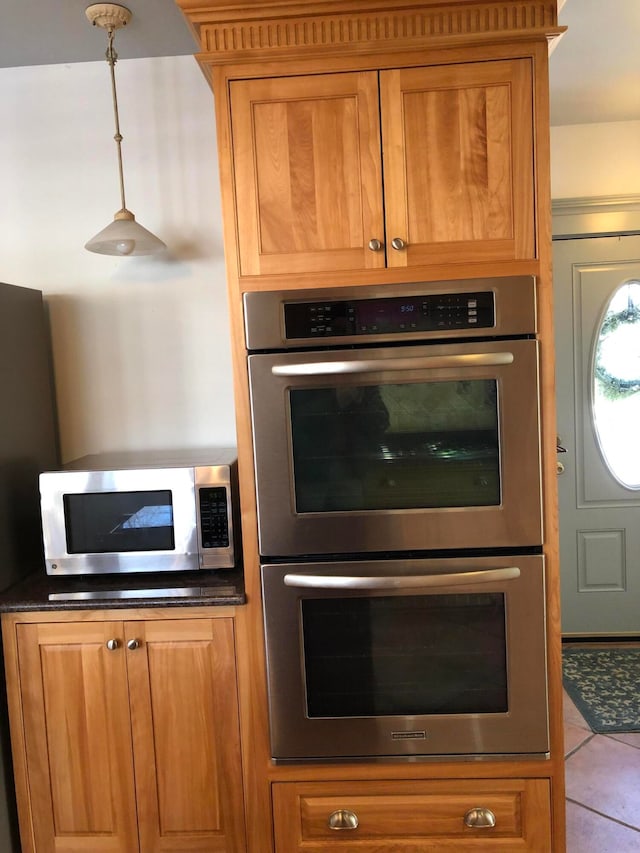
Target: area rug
605,686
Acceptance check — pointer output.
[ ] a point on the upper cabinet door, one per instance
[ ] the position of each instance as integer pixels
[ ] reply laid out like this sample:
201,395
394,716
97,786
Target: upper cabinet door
456,143
308,176
458,162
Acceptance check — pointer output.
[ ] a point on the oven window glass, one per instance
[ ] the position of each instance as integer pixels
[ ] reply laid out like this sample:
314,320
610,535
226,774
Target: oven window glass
106,522
405,446
419,654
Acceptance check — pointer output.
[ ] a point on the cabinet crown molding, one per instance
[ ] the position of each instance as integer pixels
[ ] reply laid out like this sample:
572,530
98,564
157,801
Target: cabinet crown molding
231,30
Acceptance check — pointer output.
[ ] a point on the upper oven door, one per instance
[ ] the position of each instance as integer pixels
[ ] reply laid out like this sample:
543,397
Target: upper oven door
397,448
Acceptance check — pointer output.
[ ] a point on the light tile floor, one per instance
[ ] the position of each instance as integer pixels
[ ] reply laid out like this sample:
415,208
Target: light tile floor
603,788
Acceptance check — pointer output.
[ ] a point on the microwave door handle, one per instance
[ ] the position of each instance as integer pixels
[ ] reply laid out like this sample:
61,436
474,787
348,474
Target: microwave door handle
428,362
401,582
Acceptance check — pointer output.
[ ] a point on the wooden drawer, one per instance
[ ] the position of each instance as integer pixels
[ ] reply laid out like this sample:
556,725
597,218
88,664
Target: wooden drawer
412,816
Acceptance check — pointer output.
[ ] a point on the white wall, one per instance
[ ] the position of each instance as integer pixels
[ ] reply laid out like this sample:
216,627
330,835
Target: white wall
595,160
141,345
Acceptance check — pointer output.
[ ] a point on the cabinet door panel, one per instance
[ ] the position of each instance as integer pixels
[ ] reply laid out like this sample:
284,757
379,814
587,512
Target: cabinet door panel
308,173
77,737
458,157
182,687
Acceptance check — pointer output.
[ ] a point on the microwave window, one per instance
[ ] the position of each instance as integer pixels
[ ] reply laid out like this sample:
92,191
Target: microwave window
396,446
399,655
118,522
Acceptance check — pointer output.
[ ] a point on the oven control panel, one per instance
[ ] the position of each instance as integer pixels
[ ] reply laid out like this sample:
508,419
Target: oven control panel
389,315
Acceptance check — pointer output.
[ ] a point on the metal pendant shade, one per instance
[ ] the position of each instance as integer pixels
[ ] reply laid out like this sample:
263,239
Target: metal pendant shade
123,236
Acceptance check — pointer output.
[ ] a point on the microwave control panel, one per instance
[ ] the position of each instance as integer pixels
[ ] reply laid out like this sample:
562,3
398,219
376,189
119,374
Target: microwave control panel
390,315
214,517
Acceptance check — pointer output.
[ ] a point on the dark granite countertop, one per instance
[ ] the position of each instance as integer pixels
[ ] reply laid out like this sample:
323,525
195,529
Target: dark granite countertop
39,591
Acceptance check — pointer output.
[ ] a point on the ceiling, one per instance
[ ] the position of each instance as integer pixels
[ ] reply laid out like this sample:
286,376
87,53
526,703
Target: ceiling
595,66
51,32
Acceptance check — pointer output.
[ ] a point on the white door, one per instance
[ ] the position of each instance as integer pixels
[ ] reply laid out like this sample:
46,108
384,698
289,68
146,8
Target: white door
597,305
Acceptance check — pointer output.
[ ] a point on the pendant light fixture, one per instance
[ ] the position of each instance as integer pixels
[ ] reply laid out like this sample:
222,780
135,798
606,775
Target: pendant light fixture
124,236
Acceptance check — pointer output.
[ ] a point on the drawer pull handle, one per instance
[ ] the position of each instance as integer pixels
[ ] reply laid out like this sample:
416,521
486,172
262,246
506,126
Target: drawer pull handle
342,819
133,645
112,645
479,818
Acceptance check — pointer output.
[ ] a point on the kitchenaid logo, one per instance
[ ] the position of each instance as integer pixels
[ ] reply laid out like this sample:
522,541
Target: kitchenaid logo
408,735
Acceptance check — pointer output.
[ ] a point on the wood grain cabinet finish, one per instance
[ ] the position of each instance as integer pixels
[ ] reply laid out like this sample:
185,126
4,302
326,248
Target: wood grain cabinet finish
453,142
413,817
344,126
129,736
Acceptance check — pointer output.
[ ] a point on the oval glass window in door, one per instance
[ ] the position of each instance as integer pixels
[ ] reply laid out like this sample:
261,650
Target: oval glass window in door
616,385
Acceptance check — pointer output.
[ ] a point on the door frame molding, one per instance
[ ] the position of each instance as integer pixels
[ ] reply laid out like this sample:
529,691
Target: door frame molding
597,216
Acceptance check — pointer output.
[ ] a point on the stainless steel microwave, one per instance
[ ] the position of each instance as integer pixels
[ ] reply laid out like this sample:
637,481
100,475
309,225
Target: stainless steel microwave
141,512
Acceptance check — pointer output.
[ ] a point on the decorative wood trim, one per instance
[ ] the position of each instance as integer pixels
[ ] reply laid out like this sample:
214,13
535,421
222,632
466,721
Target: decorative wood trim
12,618
282,28
598,216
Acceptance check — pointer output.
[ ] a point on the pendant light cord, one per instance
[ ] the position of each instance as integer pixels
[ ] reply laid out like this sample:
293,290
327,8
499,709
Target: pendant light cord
123,236
112,58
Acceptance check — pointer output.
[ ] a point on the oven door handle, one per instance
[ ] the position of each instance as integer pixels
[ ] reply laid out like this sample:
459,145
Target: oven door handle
426,362
402,581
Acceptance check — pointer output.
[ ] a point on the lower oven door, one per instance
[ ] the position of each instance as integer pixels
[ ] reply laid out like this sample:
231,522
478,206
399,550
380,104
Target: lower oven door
412,658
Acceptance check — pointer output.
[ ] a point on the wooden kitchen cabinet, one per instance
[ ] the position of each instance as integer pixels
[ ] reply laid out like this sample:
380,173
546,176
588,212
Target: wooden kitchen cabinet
454,143
413,817
308,173
126,735
340,122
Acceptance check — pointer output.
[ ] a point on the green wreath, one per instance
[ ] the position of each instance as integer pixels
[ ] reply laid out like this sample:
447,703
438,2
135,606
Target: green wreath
615,387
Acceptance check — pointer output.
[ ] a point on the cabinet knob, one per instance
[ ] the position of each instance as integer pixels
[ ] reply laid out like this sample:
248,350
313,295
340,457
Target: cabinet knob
112,645
398,244
133,644
375,245
480,818
342,819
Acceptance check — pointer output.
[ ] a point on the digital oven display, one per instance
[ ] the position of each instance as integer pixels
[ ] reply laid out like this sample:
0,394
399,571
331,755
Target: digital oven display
391,315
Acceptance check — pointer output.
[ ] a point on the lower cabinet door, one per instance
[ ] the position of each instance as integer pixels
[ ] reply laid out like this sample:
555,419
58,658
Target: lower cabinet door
413,816
184,711
77,739
126,737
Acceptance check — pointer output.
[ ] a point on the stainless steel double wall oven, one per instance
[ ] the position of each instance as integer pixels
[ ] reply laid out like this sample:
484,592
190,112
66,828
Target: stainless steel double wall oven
397,461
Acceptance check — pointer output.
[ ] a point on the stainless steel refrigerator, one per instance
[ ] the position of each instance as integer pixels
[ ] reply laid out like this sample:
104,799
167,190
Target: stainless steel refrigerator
28,445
